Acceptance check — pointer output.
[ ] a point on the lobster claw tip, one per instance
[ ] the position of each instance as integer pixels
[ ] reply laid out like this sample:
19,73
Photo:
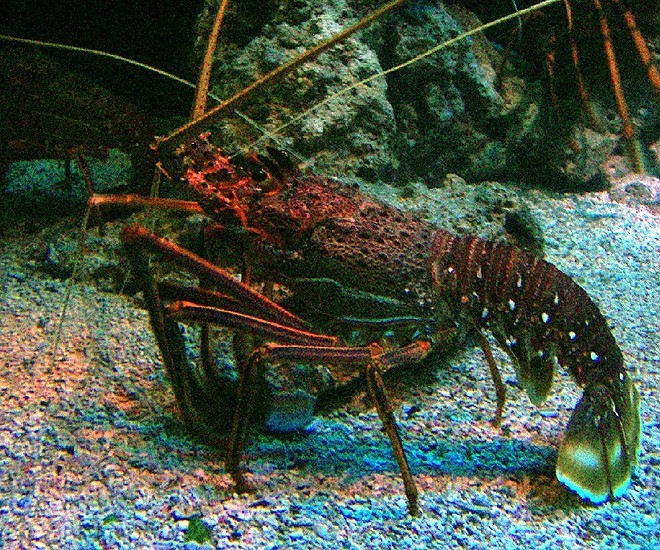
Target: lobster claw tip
601,446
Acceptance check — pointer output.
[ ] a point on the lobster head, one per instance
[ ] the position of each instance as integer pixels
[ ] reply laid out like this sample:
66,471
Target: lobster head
227,186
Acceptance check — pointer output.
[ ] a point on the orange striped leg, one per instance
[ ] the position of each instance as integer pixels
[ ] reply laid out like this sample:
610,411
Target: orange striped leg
640,44
634,150
550,62
594,119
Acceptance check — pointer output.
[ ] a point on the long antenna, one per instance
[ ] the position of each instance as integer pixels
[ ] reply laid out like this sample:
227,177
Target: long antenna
100,53
201,123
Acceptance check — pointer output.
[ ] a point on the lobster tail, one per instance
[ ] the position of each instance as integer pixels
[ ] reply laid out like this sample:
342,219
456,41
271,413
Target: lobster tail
602,442
542,318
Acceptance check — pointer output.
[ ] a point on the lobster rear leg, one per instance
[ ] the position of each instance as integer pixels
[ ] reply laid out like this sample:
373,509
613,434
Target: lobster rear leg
371,359
500,390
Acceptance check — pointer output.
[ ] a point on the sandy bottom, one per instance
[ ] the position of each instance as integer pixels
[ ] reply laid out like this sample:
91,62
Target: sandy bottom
93,454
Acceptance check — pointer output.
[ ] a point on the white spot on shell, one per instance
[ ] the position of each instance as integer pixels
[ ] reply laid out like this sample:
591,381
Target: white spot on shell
512,305
594,356
484,313
540,353
621,377
519,281
545,317
450,269
556,300
572,335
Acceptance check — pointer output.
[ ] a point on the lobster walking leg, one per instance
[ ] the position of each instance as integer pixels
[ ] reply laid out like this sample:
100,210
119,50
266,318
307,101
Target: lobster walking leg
277,324
140,237
500,391
373,361
370,358
377,392
251,373
634,150
187,389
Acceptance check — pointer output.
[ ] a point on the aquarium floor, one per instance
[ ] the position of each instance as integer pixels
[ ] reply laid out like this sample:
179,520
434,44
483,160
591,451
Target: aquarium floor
93,455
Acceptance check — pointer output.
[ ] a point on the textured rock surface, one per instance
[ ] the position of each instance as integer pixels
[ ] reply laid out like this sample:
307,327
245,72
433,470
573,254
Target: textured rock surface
441,115
447,113
351,134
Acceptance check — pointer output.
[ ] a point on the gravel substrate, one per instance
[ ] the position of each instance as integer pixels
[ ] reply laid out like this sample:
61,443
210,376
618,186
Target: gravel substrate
93,455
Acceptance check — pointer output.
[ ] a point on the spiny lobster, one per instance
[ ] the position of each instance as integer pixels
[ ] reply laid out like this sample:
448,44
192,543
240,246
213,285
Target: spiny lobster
604,23
313,233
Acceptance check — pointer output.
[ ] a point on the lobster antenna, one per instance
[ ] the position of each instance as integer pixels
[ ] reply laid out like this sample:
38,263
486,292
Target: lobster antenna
202,88
271,136
517,14
204,120
69,285
520,21
101,53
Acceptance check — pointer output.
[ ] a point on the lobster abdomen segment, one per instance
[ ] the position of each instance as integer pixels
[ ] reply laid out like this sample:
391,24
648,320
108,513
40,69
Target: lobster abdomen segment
536,312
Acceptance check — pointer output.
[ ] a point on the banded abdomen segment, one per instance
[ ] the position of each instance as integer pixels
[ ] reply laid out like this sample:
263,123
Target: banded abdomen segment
536,312
540,316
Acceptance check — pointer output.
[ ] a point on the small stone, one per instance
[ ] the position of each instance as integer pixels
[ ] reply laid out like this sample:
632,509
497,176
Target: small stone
178,515
182,525
24,502
296,535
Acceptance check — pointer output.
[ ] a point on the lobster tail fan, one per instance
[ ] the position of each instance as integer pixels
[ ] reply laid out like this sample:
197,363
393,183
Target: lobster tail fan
602,443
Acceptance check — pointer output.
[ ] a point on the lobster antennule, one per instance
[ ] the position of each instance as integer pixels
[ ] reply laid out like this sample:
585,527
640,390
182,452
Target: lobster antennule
602,443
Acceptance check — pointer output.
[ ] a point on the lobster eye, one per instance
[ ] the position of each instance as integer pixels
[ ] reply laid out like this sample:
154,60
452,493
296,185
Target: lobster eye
258,174
281,158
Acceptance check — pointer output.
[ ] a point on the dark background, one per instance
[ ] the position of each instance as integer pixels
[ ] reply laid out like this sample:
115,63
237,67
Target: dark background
159,33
